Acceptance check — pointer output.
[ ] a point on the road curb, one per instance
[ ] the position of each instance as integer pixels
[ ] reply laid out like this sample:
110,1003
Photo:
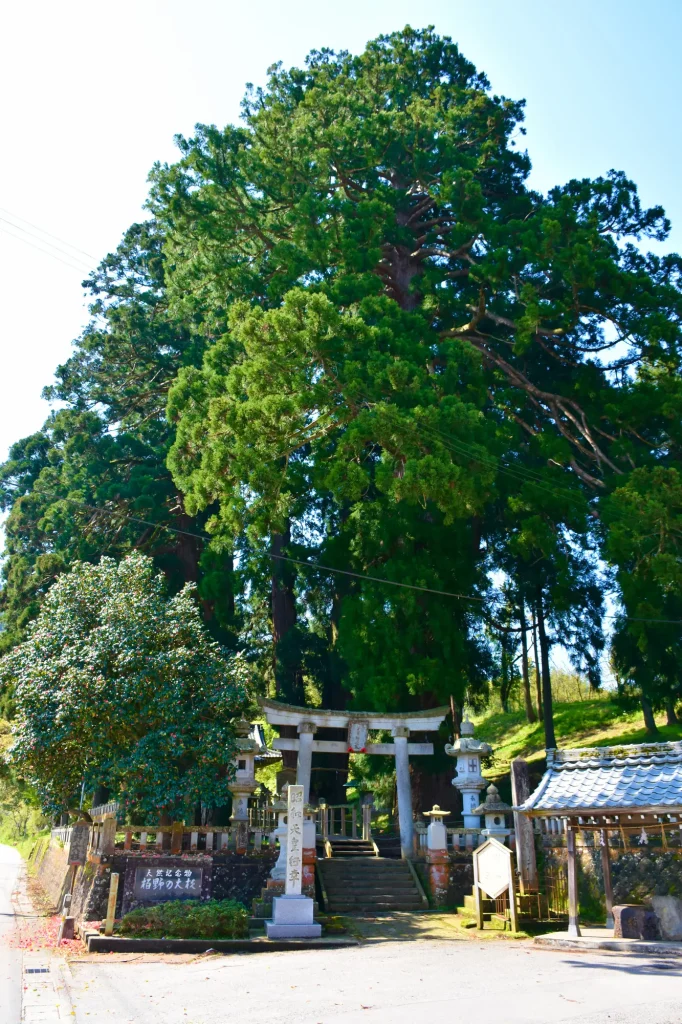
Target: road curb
97,943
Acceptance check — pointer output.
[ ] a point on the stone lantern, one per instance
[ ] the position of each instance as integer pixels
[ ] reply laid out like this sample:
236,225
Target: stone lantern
495,811
437,854
468,779
243,784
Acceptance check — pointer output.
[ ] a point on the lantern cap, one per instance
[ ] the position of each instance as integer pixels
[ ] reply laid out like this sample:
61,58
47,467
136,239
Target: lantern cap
492,803
436,813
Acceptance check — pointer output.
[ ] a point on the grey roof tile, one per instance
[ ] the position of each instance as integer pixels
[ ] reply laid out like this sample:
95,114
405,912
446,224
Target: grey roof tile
636,776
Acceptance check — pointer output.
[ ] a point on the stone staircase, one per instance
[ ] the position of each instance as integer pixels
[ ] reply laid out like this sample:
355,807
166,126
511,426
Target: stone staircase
355,881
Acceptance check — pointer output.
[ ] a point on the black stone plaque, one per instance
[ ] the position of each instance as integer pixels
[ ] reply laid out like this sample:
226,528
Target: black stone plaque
168,883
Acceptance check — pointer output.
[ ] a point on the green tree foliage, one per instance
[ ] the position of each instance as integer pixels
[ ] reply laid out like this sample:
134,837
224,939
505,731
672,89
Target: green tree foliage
383,353
644,539
118,684
404,327
94,480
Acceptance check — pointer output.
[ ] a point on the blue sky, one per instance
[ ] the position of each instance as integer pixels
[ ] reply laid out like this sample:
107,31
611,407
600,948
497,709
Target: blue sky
93,94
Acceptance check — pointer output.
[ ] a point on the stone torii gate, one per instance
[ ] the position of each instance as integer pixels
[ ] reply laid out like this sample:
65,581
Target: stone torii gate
358,724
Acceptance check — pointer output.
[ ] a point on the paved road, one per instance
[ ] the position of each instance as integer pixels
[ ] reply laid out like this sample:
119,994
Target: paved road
391,983
10,957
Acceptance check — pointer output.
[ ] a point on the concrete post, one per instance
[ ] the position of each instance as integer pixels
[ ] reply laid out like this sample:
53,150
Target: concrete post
306,732
404,788
606,871
573,911
523,828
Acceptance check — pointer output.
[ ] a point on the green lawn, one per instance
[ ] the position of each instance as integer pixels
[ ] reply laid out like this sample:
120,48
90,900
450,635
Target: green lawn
582,723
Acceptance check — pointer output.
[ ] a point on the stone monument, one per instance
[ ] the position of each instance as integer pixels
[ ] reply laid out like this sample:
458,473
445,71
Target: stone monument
292,914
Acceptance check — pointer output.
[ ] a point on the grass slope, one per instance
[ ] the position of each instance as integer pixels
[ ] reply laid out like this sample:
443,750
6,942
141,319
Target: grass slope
582,723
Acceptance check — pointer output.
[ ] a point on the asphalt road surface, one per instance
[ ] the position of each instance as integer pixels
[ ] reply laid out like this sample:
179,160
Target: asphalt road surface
10,956
386,983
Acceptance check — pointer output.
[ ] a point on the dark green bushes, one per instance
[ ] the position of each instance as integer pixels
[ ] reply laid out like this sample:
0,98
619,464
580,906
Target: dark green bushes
214,919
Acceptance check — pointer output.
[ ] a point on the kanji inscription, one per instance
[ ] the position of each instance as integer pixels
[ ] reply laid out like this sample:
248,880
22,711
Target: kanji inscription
175,883
294,841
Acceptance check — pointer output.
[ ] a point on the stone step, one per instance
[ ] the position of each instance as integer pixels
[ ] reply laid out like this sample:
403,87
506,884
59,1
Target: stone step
375,908
386,898
368,884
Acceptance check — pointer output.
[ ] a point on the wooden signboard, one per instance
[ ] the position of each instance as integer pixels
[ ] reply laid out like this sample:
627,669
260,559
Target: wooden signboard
493,874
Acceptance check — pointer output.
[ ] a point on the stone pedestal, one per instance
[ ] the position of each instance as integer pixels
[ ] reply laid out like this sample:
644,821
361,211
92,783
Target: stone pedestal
292,918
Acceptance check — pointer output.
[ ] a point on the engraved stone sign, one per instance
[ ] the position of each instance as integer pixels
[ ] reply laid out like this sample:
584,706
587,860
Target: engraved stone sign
294,841
357,735
168,883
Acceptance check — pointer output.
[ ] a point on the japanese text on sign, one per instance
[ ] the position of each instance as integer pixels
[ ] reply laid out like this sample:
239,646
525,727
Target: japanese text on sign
294,841
168,883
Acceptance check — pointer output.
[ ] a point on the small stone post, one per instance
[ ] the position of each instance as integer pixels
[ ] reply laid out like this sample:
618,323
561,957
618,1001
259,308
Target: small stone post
108,835
309,854
526,861
437,854
111,904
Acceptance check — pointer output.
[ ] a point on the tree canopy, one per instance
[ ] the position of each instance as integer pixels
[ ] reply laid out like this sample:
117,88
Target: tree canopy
400,416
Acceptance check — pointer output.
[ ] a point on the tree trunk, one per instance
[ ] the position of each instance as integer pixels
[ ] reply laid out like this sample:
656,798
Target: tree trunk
530,710
286,666
504,682
550,739
671,714
649,720
538,689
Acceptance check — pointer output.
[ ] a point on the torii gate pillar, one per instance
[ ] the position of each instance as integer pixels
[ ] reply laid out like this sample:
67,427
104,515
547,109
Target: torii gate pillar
404,790
358,725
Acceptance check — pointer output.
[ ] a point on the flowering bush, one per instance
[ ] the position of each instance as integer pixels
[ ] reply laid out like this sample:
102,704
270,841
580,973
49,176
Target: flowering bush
120,685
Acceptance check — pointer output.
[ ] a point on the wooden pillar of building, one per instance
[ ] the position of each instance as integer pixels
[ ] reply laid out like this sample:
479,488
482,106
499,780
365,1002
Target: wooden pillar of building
573,922
523,828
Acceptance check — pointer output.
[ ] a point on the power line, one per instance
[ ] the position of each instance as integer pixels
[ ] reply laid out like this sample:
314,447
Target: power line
44,232
44,241
327,568
74,266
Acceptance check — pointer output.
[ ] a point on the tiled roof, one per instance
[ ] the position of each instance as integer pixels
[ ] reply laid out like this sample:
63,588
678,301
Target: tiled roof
644,776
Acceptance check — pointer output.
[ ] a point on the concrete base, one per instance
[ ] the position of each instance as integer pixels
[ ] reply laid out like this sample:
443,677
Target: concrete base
602,939
292,918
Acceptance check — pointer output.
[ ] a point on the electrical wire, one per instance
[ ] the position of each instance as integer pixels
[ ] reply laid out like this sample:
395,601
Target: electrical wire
48,233
327,568
82,269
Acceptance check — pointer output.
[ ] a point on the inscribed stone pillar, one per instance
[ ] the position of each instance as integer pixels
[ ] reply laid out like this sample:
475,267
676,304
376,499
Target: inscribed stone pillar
293,913
523,827
404,788
306,732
